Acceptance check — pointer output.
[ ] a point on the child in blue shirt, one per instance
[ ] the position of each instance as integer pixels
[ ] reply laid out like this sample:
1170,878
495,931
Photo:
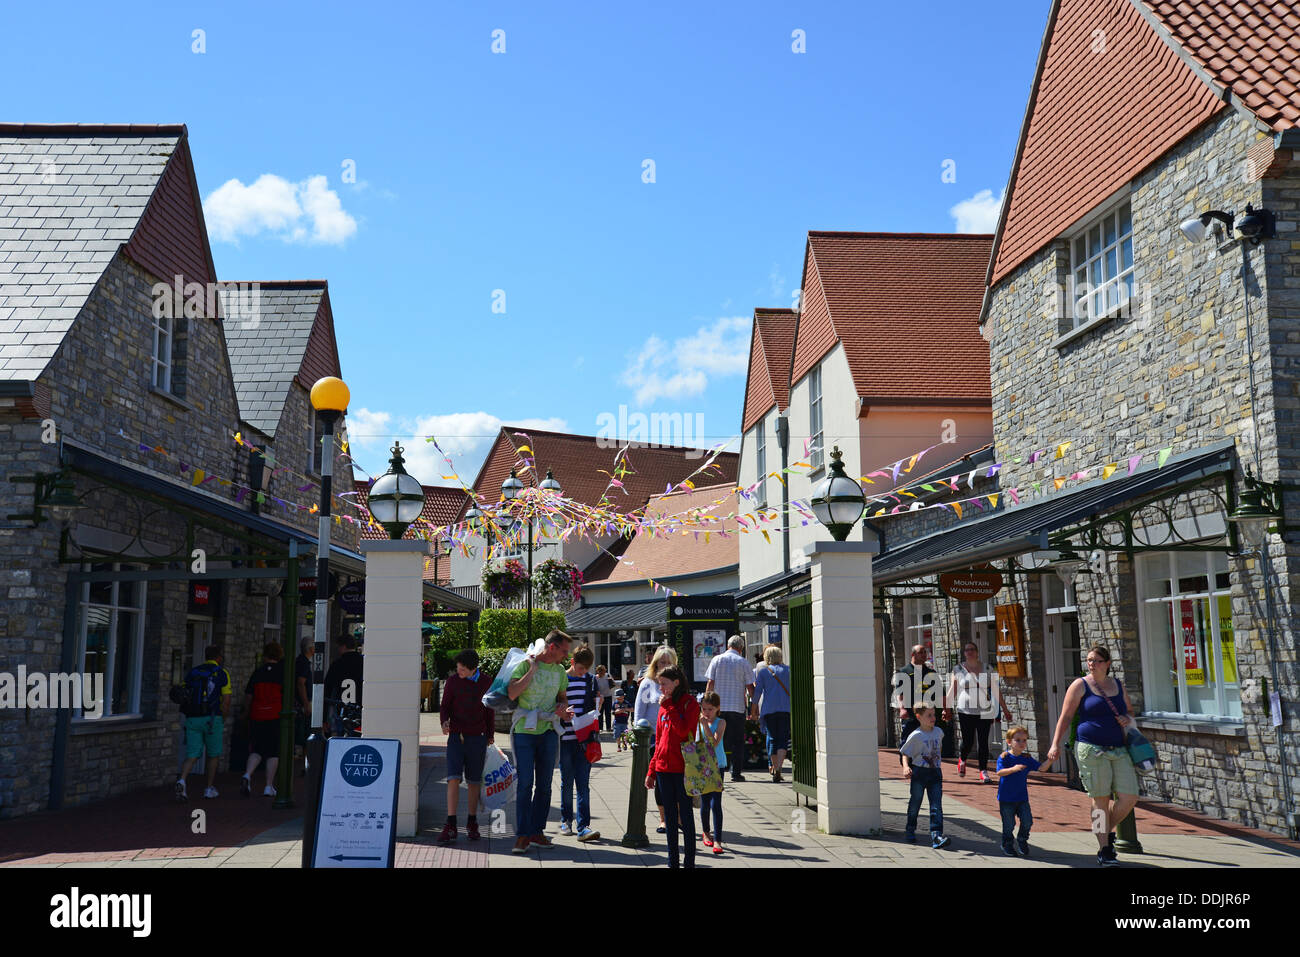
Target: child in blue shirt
1013,770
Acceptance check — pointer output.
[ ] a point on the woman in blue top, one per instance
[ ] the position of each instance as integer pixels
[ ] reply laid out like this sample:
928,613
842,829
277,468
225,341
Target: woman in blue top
1104,764
772,688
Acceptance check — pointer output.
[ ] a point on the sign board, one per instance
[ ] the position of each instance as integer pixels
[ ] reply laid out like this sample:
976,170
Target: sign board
774,634
1009,628
307,589
358,803
971,586
351,597
205,598
698,629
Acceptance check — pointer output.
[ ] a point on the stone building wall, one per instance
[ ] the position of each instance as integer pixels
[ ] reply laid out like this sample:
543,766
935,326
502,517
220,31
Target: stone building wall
1173,373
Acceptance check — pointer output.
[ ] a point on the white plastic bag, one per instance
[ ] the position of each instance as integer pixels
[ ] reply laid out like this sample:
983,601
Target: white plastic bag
499,779
496,698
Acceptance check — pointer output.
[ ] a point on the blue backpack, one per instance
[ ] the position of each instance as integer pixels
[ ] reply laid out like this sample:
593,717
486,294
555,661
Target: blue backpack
203,691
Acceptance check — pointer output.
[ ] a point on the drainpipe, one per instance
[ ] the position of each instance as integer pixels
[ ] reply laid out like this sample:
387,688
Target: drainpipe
783,439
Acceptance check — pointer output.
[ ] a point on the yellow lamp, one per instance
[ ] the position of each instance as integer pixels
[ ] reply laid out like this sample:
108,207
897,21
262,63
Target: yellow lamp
330,395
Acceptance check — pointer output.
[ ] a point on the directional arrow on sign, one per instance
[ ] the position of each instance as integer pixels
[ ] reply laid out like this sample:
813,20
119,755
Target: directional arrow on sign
345,857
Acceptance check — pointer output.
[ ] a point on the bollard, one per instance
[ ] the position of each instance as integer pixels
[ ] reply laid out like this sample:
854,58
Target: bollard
636,804
315,765
1126,834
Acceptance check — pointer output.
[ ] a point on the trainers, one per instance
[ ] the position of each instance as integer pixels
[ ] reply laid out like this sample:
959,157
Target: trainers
938,841
471,830
180,790
448,835
1024,849
961,768
587,834
268,791
245,787
566,830
1107,857
521,846
210,792
541,840
984,778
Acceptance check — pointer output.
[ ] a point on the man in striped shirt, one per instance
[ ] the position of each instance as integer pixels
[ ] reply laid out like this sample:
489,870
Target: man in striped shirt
575,770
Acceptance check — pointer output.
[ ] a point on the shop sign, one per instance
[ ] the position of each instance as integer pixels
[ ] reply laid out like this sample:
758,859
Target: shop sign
698,629
352,597
971,586
307,589
1009,623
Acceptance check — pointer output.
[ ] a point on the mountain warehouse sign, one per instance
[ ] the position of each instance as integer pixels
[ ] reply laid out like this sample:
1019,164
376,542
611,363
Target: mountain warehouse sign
971,586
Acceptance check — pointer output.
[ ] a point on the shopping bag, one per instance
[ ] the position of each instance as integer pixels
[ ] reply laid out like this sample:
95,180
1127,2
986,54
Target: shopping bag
497,698
499,779
701,765
1141,751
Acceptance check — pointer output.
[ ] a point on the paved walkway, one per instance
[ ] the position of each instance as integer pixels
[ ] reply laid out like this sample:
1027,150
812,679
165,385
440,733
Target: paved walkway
765,827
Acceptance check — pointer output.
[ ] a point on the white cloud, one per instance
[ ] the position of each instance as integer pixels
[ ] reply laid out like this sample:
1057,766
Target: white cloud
776,283
464,436
293,212
978,214
660,371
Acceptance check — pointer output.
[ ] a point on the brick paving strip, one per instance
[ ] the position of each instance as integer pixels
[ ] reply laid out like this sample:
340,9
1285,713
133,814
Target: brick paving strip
764,827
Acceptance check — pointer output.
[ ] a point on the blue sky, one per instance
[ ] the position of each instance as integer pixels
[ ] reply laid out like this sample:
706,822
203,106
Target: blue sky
524,171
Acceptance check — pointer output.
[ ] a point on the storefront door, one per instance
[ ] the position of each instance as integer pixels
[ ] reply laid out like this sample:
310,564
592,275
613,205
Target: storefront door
1063,666
198,633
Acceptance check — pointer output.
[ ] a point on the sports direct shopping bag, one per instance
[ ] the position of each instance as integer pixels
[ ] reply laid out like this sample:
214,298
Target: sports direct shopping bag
496,697
498,779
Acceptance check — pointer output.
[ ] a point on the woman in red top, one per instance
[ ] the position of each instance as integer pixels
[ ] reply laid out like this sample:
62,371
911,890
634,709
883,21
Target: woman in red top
679,715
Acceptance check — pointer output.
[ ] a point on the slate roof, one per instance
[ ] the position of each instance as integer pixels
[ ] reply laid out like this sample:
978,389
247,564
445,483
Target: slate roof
579,459
771,351
906,308
669,554
69,198
266,348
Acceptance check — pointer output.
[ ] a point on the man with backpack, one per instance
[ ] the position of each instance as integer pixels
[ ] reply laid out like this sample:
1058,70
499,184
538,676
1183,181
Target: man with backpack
207,705
263,699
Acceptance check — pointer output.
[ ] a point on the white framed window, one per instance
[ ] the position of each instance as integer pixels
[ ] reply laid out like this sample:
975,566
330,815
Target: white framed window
815,417
315,442
162,353
274,613
760,458
918,625
1189,651
1101,266
110,638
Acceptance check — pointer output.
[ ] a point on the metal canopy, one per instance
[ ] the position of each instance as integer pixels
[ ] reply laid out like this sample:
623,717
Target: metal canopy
1026,528
623,616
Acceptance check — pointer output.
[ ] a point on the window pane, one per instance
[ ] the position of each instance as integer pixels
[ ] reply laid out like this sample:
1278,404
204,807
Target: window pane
97,630
1080,250
1111,271
1094,240
1110,230
1228,648
1125,219
1126,253
1163,696
123,679
1096,272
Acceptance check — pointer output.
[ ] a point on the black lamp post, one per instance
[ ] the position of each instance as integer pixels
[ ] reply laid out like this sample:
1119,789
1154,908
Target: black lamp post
510,490
838,501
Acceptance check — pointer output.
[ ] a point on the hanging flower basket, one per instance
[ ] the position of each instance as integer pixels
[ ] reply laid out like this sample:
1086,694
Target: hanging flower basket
558,583
505,581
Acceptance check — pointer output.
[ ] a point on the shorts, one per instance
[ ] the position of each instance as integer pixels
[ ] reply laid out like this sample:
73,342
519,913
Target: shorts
264,738
204,733
620,728
1105,771
466,754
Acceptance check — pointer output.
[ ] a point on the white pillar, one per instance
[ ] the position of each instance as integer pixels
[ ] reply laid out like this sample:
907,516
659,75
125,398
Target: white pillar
844,688
391,689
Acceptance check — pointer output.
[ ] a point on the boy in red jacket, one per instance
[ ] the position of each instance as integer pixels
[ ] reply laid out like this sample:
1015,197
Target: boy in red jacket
679,716
470,728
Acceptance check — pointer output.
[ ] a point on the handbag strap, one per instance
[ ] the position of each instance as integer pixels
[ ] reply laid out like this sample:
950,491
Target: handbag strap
1109,703
777,679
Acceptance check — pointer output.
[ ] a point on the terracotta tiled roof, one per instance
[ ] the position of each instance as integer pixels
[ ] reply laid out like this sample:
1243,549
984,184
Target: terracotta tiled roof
578,459
1252,49
665,555
1095,119
442,506
906,307
771,350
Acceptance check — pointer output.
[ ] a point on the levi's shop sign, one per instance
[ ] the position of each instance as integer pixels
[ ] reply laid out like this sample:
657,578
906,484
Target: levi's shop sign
971,586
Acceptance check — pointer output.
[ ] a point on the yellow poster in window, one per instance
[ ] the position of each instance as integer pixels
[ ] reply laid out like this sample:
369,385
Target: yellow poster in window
1228,645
